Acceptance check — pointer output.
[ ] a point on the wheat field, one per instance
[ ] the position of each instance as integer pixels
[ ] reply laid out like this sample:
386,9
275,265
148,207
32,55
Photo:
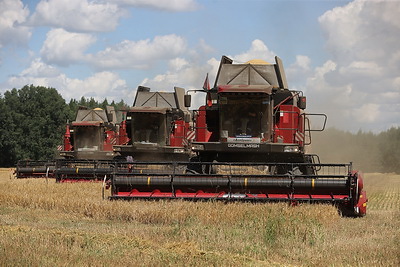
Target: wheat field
47,224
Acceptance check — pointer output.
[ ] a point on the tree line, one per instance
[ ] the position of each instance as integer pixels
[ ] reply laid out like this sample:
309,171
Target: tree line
33,118
369,152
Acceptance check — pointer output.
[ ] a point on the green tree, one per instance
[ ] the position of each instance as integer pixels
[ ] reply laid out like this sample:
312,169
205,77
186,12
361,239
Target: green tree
33,123
83,102
120,105
7,142
72,108
93,103
390,150
104,104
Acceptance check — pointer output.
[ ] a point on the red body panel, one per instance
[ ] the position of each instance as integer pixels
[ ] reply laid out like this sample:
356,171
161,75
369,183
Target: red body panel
67,139
111,139
361,205
202,134
178,134
122,134
289,128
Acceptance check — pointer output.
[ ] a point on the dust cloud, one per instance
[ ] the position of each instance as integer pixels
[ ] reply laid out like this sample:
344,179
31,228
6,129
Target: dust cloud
335,146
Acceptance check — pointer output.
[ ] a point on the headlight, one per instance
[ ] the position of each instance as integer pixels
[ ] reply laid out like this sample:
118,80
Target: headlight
117,149
197,147
291,149
179,150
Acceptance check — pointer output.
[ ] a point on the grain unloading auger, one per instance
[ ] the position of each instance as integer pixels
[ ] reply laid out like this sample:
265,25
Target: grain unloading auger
250,146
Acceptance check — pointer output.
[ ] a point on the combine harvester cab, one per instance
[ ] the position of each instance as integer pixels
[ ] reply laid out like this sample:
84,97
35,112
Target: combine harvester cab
88,145
158,127
250,146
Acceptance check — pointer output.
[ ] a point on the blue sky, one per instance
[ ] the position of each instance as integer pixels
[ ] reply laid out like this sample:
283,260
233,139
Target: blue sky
344,55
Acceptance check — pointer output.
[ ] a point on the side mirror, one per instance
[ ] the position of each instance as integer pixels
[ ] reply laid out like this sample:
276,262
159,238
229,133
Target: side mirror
302,102
188,100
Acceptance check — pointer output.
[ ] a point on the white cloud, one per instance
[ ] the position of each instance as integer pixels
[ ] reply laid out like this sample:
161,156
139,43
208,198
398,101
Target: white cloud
100,85
204,47
140,54
191,73
62,47
39,69
298,72
364,68
38,73
13,14
258,50
362,30
320,72
367,113
178,63
77,15
359,87
396,83
303,62
96,16
189,76
339,26
167,5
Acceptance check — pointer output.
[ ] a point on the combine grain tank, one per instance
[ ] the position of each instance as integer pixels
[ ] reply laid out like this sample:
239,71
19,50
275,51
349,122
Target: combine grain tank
250,146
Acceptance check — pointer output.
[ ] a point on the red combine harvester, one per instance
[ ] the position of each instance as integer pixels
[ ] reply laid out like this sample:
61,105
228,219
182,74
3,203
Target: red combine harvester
93,134
250,146
158,127
87,152
88,145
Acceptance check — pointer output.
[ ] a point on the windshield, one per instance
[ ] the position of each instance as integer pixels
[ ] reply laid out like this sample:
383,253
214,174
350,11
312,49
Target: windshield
245,115
149,128
88,138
